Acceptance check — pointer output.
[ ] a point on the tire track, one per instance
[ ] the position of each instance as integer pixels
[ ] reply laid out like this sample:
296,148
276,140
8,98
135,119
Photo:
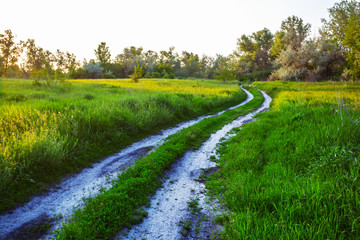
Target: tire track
170,204
32,220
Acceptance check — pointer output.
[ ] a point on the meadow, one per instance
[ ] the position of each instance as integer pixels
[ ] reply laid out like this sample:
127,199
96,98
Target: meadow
48,131
294,172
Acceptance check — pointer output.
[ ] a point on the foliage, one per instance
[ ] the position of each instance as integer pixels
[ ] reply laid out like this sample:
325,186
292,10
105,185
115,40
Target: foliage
116,69
256,76
352,43
138,72
278,46
295,32
191,64
224,74
314,61
66,62
339,15
102,53
129,58
255,55
343,29
9,50
253,52
94,70
36,57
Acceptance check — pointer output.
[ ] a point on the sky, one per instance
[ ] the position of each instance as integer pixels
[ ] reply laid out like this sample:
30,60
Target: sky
200,26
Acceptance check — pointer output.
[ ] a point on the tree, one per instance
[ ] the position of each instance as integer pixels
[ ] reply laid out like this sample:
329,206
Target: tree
343,29
278,46
314,61
295,31
102,53
339,15
190,64
253,52
150,61
224,74
66,63
38,62
9,50
138,72
263,39
34,55
1,66
129,58
94,69
352,43
213,65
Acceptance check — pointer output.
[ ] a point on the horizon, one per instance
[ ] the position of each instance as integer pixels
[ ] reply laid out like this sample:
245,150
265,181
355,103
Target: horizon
192,29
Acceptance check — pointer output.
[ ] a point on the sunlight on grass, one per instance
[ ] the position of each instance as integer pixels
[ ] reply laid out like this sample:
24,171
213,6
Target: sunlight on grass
294,173
199,87
47,132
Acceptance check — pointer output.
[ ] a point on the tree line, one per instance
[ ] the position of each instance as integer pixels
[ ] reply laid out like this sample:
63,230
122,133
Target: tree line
288,54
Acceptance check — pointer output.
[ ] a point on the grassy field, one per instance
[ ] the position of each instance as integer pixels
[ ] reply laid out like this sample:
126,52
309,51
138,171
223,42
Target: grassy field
104,215
294,173
49,131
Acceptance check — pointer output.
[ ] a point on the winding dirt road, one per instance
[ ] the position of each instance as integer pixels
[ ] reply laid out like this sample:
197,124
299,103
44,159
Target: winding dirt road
169,208
58,204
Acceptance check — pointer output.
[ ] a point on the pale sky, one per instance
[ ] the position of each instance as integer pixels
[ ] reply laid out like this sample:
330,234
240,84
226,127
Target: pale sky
199,26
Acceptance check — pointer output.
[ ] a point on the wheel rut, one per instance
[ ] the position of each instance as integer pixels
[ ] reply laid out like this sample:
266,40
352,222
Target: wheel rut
180,209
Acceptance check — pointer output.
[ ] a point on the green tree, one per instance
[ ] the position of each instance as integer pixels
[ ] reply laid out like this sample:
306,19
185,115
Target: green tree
138,72
129,58
295,31
263,39
224,73
34,55
339,15
66,62
38,62
316,60
102,53
150,61
1,66
278,46
352,43
253,51
191,64
9,50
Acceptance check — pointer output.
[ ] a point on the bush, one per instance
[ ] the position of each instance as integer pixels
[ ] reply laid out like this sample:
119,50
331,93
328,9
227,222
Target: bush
109,76
156,75
80,73
314,61
256,76
94,70
171,75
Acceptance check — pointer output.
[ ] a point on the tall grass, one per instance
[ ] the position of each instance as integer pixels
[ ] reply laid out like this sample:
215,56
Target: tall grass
294,173
47,132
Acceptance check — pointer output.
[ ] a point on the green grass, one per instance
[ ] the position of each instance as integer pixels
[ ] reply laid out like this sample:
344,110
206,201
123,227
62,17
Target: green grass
48,132
294,173
104,215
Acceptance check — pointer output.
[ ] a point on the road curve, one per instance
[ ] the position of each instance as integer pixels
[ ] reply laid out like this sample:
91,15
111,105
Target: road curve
170,204
58,204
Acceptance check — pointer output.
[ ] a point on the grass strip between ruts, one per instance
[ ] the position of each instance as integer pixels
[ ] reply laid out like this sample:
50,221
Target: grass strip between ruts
108,212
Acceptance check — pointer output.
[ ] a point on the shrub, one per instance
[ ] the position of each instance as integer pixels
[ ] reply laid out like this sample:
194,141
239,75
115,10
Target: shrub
156,75
315,60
